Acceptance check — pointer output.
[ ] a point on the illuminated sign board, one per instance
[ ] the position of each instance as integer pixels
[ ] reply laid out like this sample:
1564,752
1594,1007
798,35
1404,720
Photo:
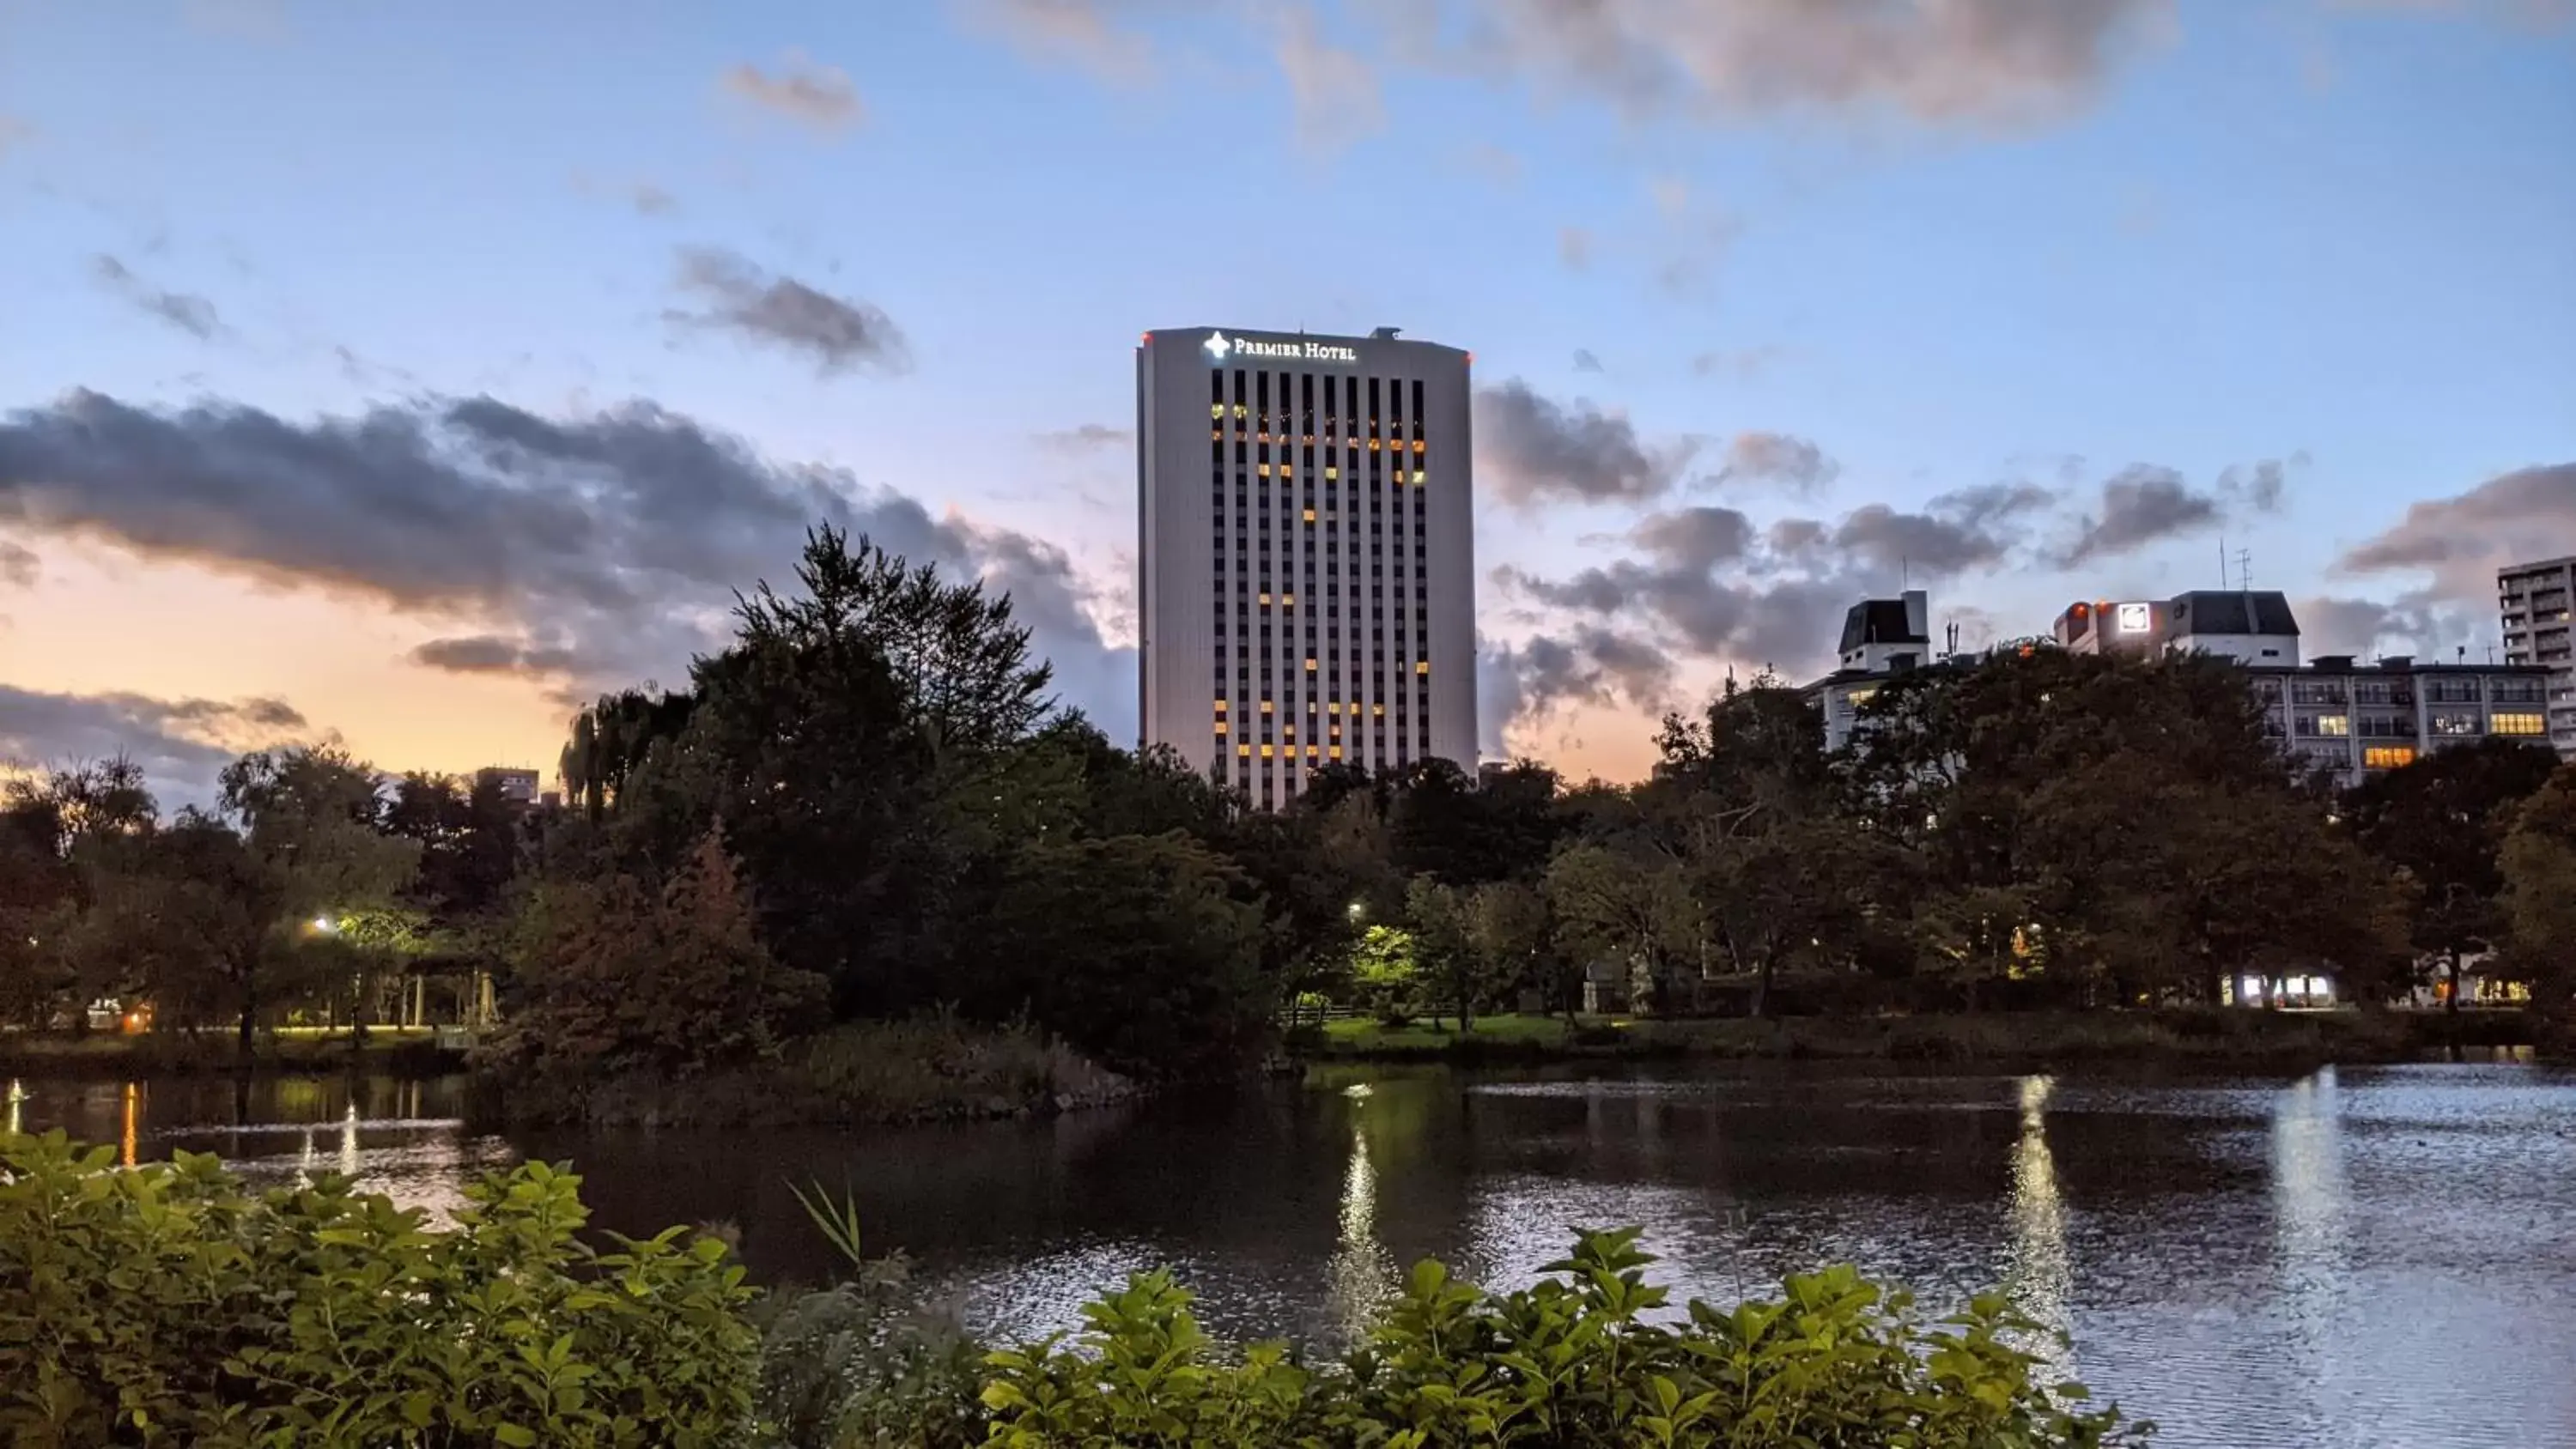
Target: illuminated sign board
2137,618
1220,347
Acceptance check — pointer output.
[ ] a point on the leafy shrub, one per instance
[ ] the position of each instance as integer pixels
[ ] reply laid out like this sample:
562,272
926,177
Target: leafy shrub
165,1305
1572,1362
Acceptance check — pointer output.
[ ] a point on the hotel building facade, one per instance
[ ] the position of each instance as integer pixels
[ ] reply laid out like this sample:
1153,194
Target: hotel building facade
1306,573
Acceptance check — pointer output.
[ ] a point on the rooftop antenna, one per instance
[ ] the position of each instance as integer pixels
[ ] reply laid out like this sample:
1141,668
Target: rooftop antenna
2245,570
2222,563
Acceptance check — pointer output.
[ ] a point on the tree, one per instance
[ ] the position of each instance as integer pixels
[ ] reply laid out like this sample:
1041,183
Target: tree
622,977
1627,907
1444,945
2538,863
1508,926
308,852
963,664
1141,950
2441,820
1386,974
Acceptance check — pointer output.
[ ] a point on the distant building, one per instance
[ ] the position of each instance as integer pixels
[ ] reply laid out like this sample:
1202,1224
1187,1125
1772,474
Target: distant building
2360,718
2254,628
2533,602
518,786
2332,712
2350,717
1306,580
1882,638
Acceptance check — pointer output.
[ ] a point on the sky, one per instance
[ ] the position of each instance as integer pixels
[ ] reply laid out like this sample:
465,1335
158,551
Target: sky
406,375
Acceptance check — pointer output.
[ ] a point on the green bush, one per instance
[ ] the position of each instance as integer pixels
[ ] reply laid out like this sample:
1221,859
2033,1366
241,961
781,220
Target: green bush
1571,1362
165,1305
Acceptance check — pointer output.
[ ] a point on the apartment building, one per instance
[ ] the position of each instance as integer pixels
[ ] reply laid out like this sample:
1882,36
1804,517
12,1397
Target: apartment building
2533,603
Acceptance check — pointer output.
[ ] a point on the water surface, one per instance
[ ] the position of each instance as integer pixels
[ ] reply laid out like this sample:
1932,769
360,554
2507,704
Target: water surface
2357,1257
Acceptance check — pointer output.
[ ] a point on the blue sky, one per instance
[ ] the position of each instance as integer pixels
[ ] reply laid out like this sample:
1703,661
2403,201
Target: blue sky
1840,265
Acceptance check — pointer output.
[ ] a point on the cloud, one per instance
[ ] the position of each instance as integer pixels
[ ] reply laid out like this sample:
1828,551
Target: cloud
2261,486
1334,91
180,743
1777,458
1981,63
1706,585
617,535
191,314
492,654
1080,31
1742,364
841,334
1518,684
1087,438
1495,164
2530,14
19,566
2351,626
1574,247
1532,450
646,198
1957,63
2516,517
2140,505
817,96
1584,361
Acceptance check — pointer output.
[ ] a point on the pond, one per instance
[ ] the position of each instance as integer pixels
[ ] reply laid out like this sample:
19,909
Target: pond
2355,1257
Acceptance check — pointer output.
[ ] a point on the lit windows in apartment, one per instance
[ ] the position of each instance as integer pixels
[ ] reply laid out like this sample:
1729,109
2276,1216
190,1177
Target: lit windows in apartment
2387,757
2518,724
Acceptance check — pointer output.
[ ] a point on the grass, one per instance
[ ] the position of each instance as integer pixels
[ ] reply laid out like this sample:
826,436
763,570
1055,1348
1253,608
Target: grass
2213,1035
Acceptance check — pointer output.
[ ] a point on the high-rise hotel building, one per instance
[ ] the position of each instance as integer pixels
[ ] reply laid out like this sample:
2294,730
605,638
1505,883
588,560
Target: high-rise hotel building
1306,554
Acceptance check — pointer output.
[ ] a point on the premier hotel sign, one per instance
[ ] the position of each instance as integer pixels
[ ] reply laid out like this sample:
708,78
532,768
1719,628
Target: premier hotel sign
1221,347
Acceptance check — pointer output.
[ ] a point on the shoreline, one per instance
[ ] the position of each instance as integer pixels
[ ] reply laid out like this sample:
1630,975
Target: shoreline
2203,1036
403,1055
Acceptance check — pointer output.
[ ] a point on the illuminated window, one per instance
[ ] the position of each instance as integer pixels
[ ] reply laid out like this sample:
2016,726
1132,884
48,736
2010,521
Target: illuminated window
1244,750
1422,666
1310,752
1265,601
2518,724
1289,729
2334,724
1335,752
2387,757
1310,668
1220,706
1419,475
1310,515
1265,752
1331,472
1378,709
1265,706
1220,726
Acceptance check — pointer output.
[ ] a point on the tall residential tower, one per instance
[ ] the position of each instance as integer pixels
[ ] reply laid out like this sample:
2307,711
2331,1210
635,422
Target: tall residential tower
1306,569
2534,603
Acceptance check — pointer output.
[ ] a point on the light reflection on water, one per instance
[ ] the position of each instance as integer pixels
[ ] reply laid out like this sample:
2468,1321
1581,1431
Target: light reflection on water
2364,1257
